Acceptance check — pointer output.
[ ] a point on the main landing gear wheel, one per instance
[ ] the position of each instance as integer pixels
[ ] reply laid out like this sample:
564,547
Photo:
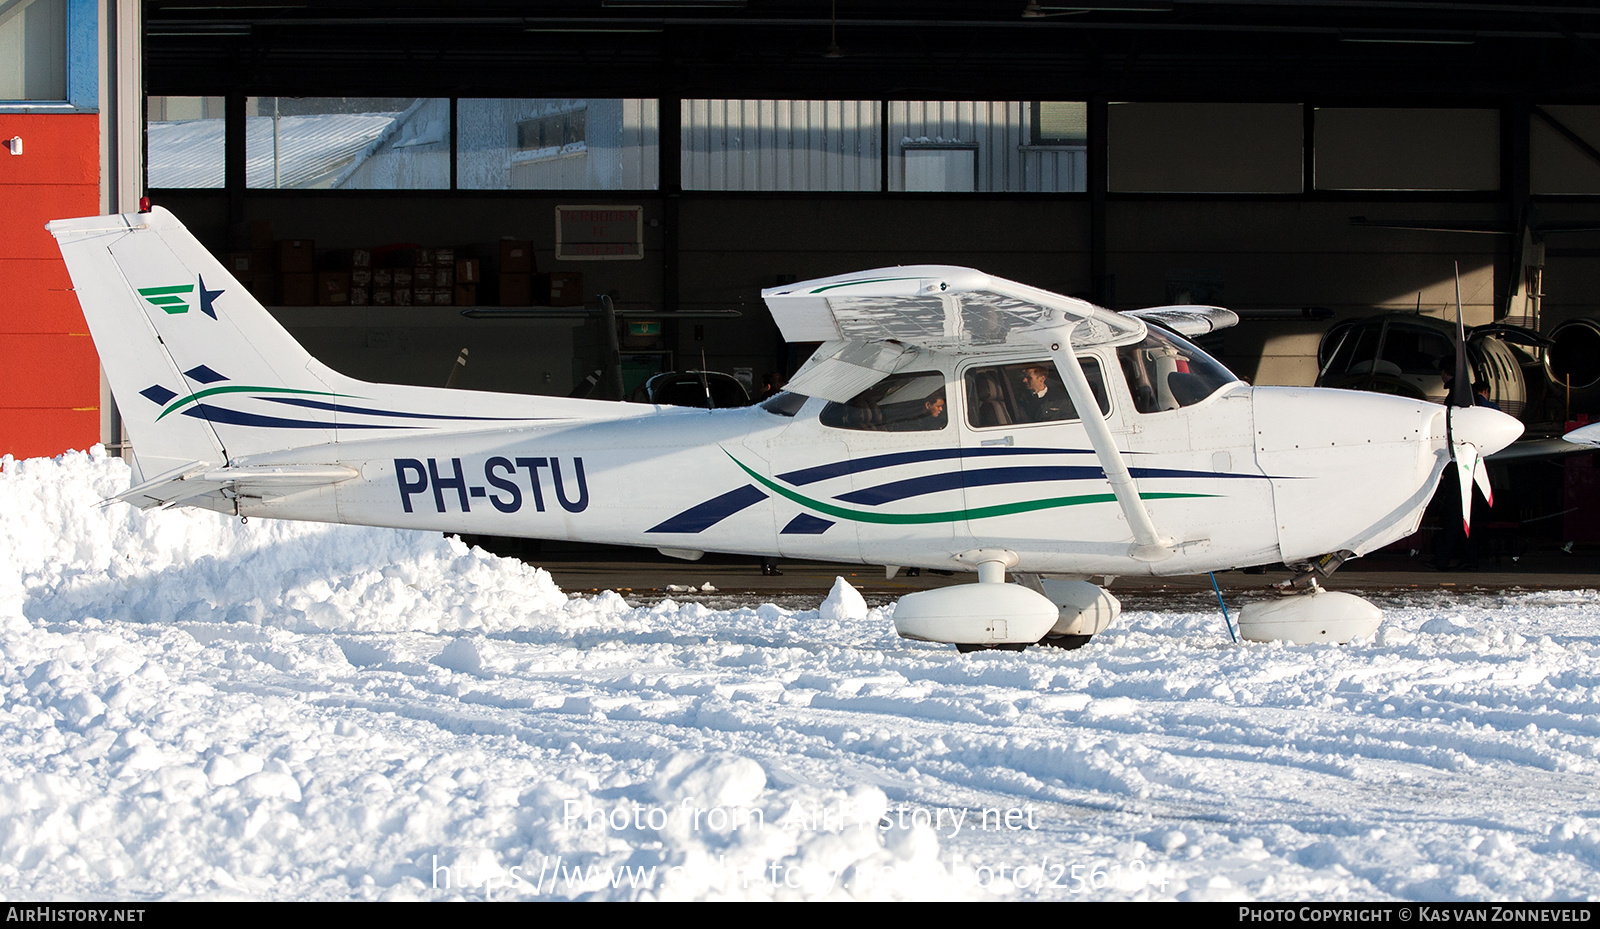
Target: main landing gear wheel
1066,641
1002,647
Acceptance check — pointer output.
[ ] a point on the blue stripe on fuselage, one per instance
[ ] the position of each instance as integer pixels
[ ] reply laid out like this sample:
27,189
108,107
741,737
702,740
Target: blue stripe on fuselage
874,462
989,477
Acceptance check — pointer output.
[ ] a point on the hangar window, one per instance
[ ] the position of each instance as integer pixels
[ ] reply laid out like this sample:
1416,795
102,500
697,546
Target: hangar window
1563,140
987,146
1244,148
347,143
541,143
562,131
1407,149
33,50
186,141
1059,123
817,145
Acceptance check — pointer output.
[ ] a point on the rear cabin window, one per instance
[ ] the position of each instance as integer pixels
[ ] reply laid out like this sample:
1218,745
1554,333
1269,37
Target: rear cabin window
910,402
1026,392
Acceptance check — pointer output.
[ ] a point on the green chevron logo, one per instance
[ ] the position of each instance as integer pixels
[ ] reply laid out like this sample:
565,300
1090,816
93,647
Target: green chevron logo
167,299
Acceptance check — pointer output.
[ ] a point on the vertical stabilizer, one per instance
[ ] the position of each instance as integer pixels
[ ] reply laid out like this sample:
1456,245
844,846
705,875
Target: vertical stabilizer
201,372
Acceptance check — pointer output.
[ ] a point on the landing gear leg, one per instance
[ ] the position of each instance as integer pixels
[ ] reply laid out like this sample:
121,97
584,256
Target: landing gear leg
1307,573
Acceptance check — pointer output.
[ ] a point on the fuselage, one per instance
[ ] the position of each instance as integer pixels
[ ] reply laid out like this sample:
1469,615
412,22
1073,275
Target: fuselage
954,420
1242,476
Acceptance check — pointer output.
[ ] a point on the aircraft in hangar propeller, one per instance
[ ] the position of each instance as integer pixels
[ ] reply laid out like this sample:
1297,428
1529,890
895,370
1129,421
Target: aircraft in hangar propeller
950,419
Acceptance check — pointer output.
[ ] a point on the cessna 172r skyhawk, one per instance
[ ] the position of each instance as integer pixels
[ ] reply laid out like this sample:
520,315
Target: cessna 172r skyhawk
950,420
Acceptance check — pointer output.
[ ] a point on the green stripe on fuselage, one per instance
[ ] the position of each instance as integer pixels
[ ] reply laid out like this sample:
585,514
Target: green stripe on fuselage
233,389
947,516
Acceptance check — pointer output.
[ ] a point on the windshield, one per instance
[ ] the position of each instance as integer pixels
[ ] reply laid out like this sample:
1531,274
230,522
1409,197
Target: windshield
784,403
1165,372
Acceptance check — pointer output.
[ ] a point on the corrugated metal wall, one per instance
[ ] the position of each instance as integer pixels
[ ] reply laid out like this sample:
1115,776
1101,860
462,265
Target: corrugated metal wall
781,145
835,145
1007,162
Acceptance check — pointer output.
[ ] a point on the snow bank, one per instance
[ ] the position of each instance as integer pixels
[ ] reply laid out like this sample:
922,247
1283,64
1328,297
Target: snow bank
196,708
199,707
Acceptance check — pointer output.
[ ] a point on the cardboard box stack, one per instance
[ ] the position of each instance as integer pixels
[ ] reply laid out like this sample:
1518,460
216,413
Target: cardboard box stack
516,272
292,272
253,260
297,272
468,276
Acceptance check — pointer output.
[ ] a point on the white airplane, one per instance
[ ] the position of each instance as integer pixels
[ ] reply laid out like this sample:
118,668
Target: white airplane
950,420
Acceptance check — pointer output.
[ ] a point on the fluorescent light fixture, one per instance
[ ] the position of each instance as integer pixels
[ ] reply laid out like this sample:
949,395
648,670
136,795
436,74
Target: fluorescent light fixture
605,29
201,29
674,4
1035,10
1407,38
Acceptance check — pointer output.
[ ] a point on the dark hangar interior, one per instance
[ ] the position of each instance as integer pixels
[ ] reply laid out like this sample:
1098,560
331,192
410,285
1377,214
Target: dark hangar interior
1303,163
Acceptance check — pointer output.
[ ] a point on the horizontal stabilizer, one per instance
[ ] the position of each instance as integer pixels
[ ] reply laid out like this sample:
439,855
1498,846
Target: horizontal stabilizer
198,479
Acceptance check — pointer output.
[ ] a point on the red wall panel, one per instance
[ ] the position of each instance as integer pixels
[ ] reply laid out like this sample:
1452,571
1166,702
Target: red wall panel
51,371
47,433
51,305
51,402
60,148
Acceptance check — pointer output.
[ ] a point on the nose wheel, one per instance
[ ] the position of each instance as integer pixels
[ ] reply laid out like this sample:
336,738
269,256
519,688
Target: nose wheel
1306,614
1308,573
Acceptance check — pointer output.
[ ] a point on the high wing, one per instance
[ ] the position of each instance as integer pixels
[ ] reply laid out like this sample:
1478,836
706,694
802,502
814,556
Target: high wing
1188,320
874,323
937,307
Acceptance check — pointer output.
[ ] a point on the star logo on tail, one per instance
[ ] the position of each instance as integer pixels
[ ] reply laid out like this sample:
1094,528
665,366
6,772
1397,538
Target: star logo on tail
207,298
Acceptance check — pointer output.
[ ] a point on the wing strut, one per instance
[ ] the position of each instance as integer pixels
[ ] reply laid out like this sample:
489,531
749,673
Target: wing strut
1149,545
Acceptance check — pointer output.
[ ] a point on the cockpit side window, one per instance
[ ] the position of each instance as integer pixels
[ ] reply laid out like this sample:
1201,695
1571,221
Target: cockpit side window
1165,372
1026,392
909,402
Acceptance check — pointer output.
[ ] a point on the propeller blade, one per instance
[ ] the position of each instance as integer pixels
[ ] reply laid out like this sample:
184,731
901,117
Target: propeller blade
1461,385
1480,476
1466,458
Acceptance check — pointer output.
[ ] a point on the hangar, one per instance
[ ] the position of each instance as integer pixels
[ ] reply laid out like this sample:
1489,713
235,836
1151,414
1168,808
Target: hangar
404,180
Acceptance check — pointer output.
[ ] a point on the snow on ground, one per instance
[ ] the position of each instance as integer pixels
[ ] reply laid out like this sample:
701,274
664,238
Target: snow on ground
196,708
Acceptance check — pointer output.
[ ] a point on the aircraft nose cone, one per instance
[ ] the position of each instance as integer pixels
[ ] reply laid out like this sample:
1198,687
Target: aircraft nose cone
1488,430
1586,435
